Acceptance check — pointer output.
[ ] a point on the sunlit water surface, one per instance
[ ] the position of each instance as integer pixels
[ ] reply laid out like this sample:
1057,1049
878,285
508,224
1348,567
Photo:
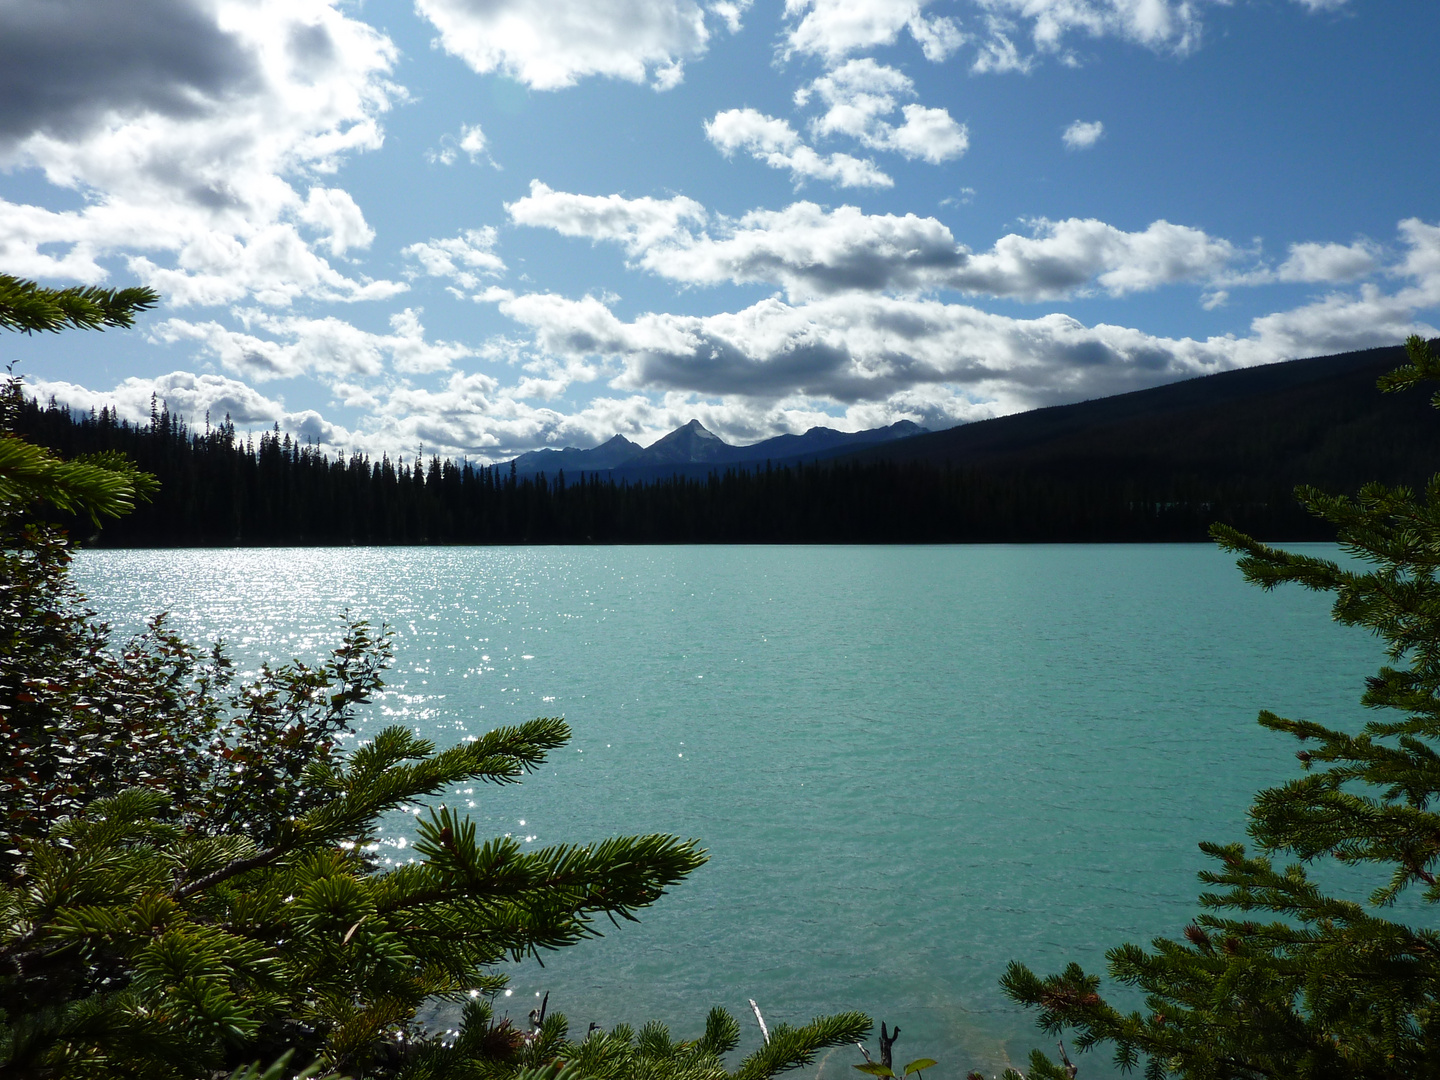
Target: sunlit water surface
909,765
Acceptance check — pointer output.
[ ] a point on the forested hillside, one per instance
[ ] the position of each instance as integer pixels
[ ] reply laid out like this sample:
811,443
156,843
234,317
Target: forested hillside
1160,464
1318,421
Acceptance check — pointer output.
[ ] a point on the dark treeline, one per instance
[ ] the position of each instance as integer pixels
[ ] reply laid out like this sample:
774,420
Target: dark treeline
219,488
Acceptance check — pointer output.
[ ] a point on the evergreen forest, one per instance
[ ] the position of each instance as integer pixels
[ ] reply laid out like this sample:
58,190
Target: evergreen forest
219,488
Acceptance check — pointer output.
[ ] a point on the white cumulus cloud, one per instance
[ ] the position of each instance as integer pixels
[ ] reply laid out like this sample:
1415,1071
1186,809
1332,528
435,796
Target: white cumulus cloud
1316,263
1174,26
812,251
638,223
835,29
1422,259
1063,256
1082,134
550,44
1329,262
859,94
862,349
465,259
471,142
337,216
188,147
778,145
1170,25
327,347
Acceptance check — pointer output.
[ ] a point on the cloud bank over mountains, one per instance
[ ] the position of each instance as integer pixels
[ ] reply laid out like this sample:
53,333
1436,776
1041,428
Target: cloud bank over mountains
208,148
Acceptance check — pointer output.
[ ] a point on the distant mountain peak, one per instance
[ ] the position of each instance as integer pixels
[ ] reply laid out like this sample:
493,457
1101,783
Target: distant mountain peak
608,455
699,429
689,443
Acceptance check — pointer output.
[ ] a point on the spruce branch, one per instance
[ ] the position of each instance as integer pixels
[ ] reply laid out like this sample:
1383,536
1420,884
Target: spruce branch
792,1047
29,307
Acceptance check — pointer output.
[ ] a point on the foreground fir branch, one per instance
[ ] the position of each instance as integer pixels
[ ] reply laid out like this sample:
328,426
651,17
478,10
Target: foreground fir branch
95,486
134,940
28,306
103,485
1275,977
189,886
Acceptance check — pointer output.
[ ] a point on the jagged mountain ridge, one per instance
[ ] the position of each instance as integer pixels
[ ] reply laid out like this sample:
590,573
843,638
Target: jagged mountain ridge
603,457
694,444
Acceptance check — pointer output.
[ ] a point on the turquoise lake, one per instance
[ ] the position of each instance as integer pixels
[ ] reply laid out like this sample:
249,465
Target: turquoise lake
909,765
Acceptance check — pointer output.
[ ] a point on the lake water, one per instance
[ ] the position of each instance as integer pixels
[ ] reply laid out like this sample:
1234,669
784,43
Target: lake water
910,765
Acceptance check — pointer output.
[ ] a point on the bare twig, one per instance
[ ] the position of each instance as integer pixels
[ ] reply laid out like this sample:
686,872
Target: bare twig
886,1042
537,1016
229,870
761,1021
1070,1067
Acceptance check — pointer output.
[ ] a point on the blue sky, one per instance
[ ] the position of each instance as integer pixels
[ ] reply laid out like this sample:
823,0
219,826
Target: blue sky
484,226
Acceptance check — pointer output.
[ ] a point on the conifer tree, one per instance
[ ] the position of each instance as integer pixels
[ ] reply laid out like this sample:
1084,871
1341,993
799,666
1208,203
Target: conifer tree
99,485
1276,977
187,877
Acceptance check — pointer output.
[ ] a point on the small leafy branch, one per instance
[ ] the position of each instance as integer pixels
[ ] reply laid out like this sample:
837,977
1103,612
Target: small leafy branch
885,1066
